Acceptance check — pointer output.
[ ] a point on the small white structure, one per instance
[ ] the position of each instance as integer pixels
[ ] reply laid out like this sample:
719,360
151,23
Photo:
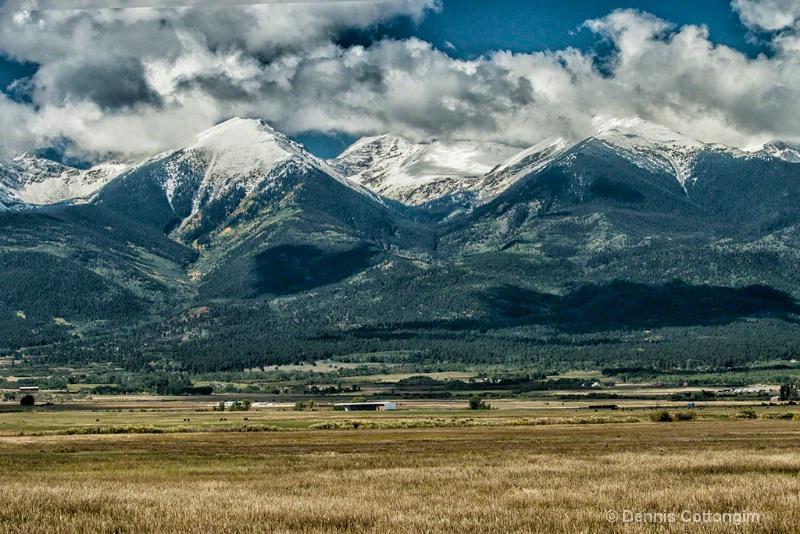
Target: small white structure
774,399
366,406
29,389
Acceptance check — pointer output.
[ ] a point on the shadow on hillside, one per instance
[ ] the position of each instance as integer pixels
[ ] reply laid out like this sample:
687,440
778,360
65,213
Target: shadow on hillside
614,306
625,305
287,269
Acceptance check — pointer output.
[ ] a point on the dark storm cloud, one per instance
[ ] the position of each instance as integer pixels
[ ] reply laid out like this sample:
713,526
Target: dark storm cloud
220,87
113,84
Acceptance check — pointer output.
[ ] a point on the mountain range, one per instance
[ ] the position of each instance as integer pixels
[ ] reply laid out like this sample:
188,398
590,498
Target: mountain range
636,244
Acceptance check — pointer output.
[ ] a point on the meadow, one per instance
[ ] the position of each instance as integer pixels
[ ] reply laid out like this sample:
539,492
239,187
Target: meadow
499,477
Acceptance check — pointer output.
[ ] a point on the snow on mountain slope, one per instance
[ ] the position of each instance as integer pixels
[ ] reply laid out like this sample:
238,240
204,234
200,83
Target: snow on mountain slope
8,178
367,160
239,153
43,182
249,154
778,149
647,145
7,198
524,163
651,146
416,173
28,180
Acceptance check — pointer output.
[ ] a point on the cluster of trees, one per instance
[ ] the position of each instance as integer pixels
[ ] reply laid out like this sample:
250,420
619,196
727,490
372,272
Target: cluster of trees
241,405
300,406
111,383
476,403
238,337
789,392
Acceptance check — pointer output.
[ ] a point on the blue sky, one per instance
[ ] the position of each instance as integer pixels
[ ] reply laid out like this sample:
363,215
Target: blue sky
475,27
142,80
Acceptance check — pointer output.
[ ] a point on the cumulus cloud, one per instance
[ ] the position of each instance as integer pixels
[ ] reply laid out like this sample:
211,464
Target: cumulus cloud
778,19
196,65
767,15
13,131
112,82
71,5
679,77
146,80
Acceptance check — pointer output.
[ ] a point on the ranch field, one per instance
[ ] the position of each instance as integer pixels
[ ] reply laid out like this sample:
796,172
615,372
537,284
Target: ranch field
497,472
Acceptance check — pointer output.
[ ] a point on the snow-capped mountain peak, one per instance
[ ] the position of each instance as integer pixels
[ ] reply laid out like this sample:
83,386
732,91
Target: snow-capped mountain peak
418,172
237,152
636,132
649,145
238,133
369,160
386,144
246,155
240,146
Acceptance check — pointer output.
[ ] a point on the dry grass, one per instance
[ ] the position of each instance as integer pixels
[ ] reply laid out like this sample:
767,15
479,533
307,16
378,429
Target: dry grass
554,478
371,424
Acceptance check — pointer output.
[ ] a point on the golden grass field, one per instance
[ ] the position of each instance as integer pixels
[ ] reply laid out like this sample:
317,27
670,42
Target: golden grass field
500,478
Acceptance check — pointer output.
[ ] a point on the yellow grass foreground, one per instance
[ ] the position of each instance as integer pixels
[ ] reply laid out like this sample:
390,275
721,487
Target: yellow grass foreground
548,479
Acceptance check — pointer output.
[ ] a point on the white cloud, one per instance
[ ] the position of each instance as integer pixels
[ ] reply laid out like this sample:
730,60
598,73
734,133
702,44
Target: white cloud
778,19
160,76
767,15
13,131
679,77
105,67
72,5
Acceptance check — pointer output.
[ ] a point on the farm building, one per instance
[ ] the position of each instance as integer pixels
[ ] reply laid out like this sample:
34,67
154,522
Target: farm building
366,406
29,389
